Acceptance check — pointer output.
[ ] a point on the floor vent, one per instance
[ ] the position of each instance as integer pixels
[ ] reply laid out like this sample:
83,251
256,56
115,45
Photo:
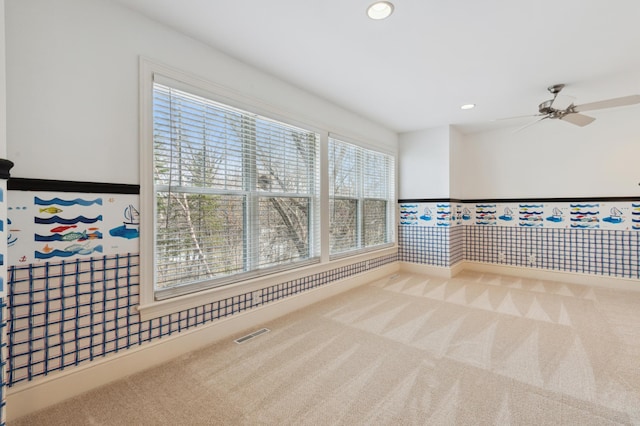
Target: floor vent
252,335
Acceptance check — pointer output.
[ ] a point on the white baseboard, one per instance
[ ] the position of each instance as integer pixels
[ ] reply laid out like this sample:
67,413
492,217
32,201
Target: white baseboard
25,398
594,280
436,271
549,275
457,268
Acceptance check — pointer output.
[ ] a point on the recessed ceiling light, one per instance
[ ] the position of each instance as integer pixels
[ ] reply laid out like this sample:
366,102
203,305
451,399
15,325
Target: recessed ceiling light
468,106
380,10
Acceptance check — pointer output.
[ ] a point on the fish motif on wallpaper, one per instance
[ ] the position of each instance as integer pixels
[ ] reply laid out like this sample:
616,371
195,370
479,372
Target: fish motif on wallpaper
73,249
530,215
585,216
486,214
444,214
53,225
408,214
635,216
51,210
59,229
409,208
66,229
70,236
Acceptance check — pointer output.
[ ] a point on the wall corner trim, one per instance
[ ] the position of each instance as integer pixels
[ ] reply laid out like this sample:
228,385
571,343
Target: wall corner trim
5,167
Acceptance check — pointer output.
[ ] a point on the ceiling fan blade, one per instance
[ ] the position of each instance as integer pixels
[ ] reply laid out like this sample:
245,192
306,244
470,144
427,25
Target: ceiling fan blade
562,101
578,119
517,116
609,103
519,129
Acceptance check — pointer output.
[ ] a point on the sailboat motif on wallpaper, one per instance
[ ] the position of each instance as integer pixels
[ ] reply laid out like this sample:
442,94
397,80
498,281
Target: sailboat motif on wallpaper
556,216
507,215
615,216
426,215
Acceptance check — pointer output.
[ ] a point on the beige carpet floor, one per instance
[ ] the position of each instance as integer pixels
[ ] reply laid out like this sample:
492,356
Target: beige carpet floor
408,349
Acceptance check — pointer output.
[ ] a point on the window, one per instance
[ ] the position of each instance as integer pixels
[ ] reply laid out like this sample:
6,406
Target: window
361,197
231,193
236,194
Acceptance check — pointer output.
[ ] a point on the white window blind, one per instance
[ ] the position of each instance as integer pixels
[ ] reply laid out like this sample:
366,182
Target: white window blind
361,197
236,193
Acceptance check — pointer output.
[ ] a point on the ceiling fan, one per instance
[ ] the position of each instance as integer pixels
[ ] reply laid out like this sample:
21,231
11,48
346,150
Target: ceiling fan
562,107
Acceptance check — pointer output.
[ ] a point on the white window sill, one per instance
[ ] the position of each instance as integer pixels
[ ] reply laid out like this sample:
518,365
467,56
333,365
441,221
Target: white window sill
181,303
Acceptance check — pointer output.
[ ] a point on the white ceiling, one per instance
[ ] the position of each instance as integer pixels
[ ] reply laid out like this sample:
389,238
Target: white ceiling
415,69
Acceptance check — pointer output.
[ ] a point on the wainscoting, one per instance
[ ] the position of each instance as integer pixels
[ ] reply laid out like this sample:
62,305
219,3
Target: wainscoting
582,237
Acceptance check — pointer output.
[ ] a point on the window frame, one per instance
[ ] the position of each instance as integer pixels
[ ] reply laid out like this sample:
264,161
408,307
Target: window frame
252,196
360,199
149,306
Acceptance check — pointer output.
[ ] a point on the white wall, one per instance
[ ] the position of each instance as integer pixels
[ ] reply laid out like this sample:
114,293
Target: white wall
550,159
555,159
456,151
72,88
423,164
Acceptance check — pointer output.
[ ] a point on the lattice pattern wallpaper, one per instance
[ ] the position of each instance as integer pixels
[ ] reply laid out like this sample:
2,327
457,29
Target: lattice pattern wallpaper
602,252
426,245
4,229
66,313
593,237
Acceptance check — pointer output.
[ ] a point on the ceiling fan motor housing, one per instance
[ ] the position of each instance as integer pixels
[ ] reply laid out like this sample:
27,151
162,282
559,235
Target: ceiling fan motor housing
556,88
545,107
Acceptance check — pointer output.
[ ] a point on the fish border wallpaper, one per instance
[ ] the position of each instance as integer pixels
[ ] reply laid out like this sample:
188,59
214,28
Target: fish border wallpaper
596,237
49,225
611,215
